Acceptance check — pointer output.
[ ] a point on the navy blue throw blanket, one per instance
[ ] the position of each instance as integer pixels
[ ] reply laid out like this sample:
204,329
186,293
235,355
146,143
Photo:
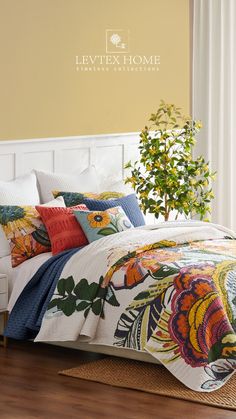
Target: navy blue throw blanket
27,314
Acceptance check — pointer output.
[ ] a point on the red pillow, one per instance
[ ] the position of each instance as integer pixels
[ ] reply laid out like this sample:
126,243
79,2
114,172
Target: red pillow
63,229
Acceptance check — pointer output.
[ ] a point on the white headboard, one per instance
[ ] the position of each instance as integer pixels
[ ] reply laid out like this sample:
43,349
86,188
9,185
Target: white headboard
107,153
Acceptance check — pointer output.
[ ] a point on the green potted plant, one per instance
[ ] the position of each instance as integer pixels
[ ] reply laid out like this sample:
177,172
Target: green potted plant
167,177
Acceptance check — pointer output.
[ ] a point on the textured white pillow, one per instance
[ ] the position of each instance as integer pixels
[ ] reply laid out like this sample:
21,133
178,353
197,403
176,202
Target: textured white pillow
87,181
20,191
4,245
57,202
121,186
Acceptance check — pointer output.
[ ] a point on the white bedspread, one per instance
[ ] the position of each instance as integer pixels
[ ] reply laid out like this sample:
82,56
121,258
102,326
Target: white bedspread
22,274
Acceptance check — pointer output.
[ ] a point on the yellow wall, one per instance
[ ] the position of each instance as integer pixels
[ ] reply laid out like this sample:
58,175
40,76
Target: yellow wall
42,94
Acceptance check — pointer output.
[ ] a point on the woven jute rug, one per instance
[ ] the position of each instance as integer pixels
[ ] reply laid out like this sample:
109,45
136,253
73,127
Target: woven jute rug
150,378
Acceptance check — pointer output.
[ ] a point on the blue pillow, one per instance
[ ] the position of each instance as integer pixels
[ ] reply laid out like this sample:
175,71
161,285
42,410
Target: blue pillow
129,204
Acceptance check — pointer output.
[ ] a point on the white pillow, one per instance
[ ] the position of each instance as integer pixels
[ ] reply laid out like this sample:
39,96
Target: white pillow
57,202
121,186
87,181
20,191
4,245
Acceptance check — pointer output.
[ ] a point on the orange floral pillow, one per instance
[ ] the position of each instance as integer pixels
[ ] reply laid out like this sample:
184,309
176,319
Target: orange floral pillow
25,232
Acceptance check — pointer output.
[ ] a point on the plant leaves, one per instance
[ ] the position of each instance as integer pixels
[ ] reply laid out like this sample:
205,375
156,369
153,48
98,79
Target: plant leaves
107,231
171,173
53,303
69,284
81,290
68,306
111,298
97,307
164,271
93,290
142,295
61,286
102,292
83,305
86,312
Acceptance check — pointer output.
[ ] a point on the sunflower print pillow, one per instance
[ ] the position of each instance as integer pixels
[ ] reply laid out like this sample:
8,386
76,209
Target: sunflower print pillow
25,232
97,224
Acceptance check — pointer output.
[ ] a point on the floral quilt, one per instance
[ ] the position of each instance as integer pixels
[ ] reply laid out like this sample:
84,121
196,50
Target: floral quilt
170,292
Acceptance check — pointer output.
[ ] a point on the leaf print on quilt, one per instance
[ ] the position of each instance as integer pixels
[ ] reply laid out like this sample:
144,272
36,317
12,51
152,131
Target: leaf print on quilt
137,324
71,297
218,372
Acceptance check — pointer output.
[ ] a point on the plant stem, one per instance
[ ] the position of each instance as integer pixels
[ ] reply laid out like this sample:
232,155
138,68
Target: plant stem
166,209
177,215
165,196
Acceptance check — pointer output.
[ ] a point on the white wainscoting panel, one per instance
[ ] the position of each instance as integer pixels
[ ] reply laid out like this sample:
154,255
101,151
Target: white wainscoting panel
40,160
7,166
108,153
74,157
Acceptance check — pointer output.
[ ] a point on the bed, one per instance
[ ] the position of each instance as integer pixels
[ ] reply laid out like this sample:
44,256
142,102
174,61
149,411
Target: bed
68,154
157,292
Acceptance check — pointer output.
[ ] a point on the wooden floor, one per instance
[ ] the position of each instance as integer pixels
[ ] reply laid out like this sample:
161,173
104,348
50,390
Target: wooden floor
31,388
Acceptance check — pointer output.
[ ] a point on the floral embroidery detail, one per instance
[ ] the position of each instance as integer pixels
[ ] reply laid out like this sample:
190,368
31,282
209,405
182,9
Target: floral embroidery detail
141,262
136,269
25,247
98,219
97,224
198,318
114,211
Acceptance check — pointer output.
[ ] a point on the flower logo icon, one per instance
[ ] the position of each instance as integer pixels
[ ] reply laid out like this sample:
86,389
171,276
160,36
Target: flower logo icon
117,40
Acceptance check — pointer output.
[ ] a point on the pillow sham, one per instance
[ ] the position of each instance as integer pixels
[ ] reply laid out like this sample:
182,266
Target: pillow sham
20,191
63,229
128,203
97,224
87,180
121,186
76,198
56,202
24,230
